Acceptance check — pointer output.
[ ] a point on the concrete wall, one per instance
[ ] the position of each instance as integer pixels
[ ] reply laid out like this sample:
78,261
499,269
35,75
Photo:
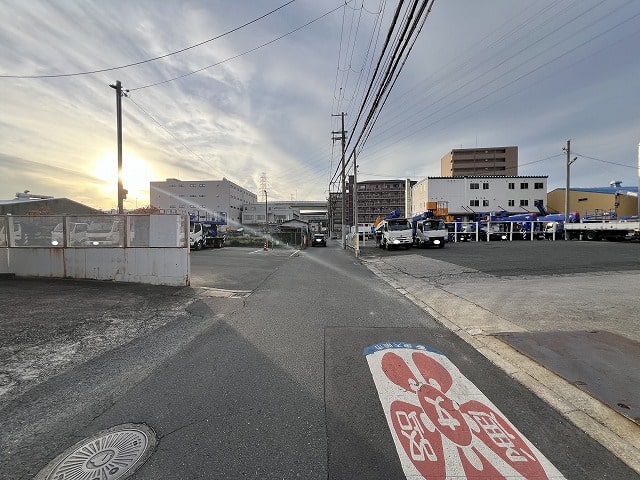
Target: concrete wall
156,252
156,266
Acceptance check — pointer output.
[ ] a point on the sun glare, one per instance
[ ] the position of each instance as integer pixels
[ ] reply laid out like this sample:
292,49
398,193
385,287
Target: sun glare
136,175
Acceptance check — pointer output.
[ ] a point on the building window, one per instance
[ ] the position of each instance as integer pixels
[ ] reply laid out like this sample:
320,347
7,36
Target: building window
192,185
512,186
201,185
485,186
538,185
524,203
485,203
248,217
474,186
474,203
524,186
512,203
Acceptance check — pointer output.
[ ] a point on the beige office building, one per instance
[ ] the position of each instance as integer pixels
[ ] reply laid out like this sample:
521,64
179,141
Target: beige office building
493,161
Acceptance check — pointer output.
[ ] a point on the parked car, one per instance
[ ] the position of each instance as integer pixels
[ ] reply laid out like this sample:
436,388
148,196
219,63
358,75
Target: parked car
319,240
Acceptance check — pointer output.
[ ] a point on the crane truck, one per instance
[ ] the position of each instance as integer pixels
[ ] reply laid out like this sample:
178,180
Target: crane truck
394,231
206,233
428,231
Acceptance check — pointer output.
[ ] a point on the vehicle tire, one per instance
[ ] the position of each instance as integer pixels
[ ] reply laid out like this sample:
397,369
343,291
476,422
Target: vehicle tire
198,246
441,245
591,236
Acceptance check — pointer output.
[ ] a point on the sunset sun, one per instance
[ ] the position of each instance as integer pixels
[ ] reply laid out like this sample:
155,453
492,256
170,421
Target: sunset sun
136,175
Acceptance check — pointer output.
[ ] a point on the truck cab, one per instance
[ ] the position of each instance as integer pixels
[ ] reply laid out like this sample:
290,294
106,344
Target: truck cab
430,232
393,233
196,235
77,234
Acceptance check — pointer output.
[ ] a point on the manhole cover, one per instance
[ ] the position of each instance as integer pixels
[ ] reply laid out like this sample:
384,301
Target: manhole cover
108,455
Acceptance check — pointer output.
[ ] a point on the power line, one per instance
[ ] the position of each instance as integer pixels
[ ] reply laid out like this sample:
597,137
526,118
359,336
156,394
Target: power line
502,87
171,134
241,54
605,161
110,69
415,18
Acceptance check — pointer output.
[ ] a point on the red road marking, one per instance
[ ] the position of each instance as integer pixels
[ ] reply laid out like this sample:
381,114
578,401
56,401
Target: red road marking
443,426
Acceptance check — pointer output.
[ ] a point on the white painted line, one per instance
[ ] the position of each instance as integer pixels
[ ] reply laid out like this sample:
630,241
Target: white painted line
256,251
295,252
442,425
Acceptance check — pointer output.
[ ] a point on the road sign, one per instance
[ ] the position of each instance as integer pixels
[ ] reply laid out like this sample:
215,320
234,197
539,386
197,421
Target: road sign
442,425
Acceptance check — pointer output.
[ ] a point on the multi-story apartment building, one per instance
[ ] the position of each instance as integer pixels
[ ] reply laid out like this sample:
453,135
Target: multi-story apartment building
204,198
376,198
492,161
466,196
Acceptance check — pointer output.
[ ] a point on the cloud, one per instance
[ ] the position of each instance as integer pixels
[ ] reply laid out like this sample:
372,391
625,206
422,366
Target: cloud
490,73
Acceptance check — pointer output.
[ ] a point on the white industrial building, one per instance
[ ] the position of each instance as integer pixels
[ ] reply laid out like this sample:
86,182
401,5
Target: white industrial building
207,199
466,196
276,212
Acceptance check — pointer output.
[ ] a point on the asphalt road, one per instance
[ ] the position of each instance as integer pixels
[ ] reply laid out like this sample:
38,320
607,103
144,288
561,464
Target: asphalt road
255,371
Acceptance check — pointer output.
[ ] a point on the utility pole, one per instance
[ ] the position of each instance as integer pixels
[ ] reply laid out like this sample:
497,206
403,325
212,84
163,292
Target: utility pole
356,238
567,191
344,188
266,222
122,193
266,213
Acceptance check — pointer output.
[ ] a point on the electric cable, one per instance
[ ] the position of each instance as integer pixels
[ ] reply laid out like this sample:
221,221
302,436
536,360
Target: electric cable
111,69
243,53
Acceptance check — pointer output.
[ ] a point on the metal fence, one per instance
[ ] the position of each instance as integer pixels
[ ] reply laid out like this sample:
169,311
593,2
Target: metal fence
93,231
501,231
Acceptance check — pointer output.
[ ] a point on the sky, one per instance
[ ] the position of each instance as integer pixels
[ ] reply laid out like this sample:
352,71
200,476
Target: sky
252,91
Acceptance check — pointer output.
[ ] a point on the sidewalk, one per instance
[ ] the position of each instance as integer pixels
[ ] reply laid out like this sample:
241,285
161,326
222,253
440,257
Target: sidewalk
477,306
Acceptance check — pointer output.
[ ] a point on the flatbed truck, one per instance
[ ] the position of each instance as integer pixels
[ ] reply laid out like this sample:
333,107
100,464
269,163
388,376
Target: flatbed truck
612,230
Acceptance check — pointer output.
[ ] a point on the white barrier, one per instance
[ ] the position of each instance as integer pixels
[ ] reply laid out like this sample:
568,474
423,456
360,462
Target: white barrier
162,259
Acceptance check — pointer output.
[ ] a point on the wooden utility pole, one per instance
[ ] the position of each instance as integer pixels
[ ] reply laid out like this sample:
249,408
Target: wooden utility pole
356,238
122,193
342,137
567,191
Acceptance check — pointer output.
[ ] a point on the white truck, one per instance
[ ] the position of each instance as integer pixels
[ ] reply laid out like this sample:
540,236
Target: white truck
430,232
196,235
108,233
612,230
77,234
393,233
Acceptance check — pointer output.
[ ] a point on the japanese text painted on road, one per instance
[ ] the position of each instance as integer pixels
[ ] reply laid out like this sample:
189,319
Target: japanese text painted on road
443,426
